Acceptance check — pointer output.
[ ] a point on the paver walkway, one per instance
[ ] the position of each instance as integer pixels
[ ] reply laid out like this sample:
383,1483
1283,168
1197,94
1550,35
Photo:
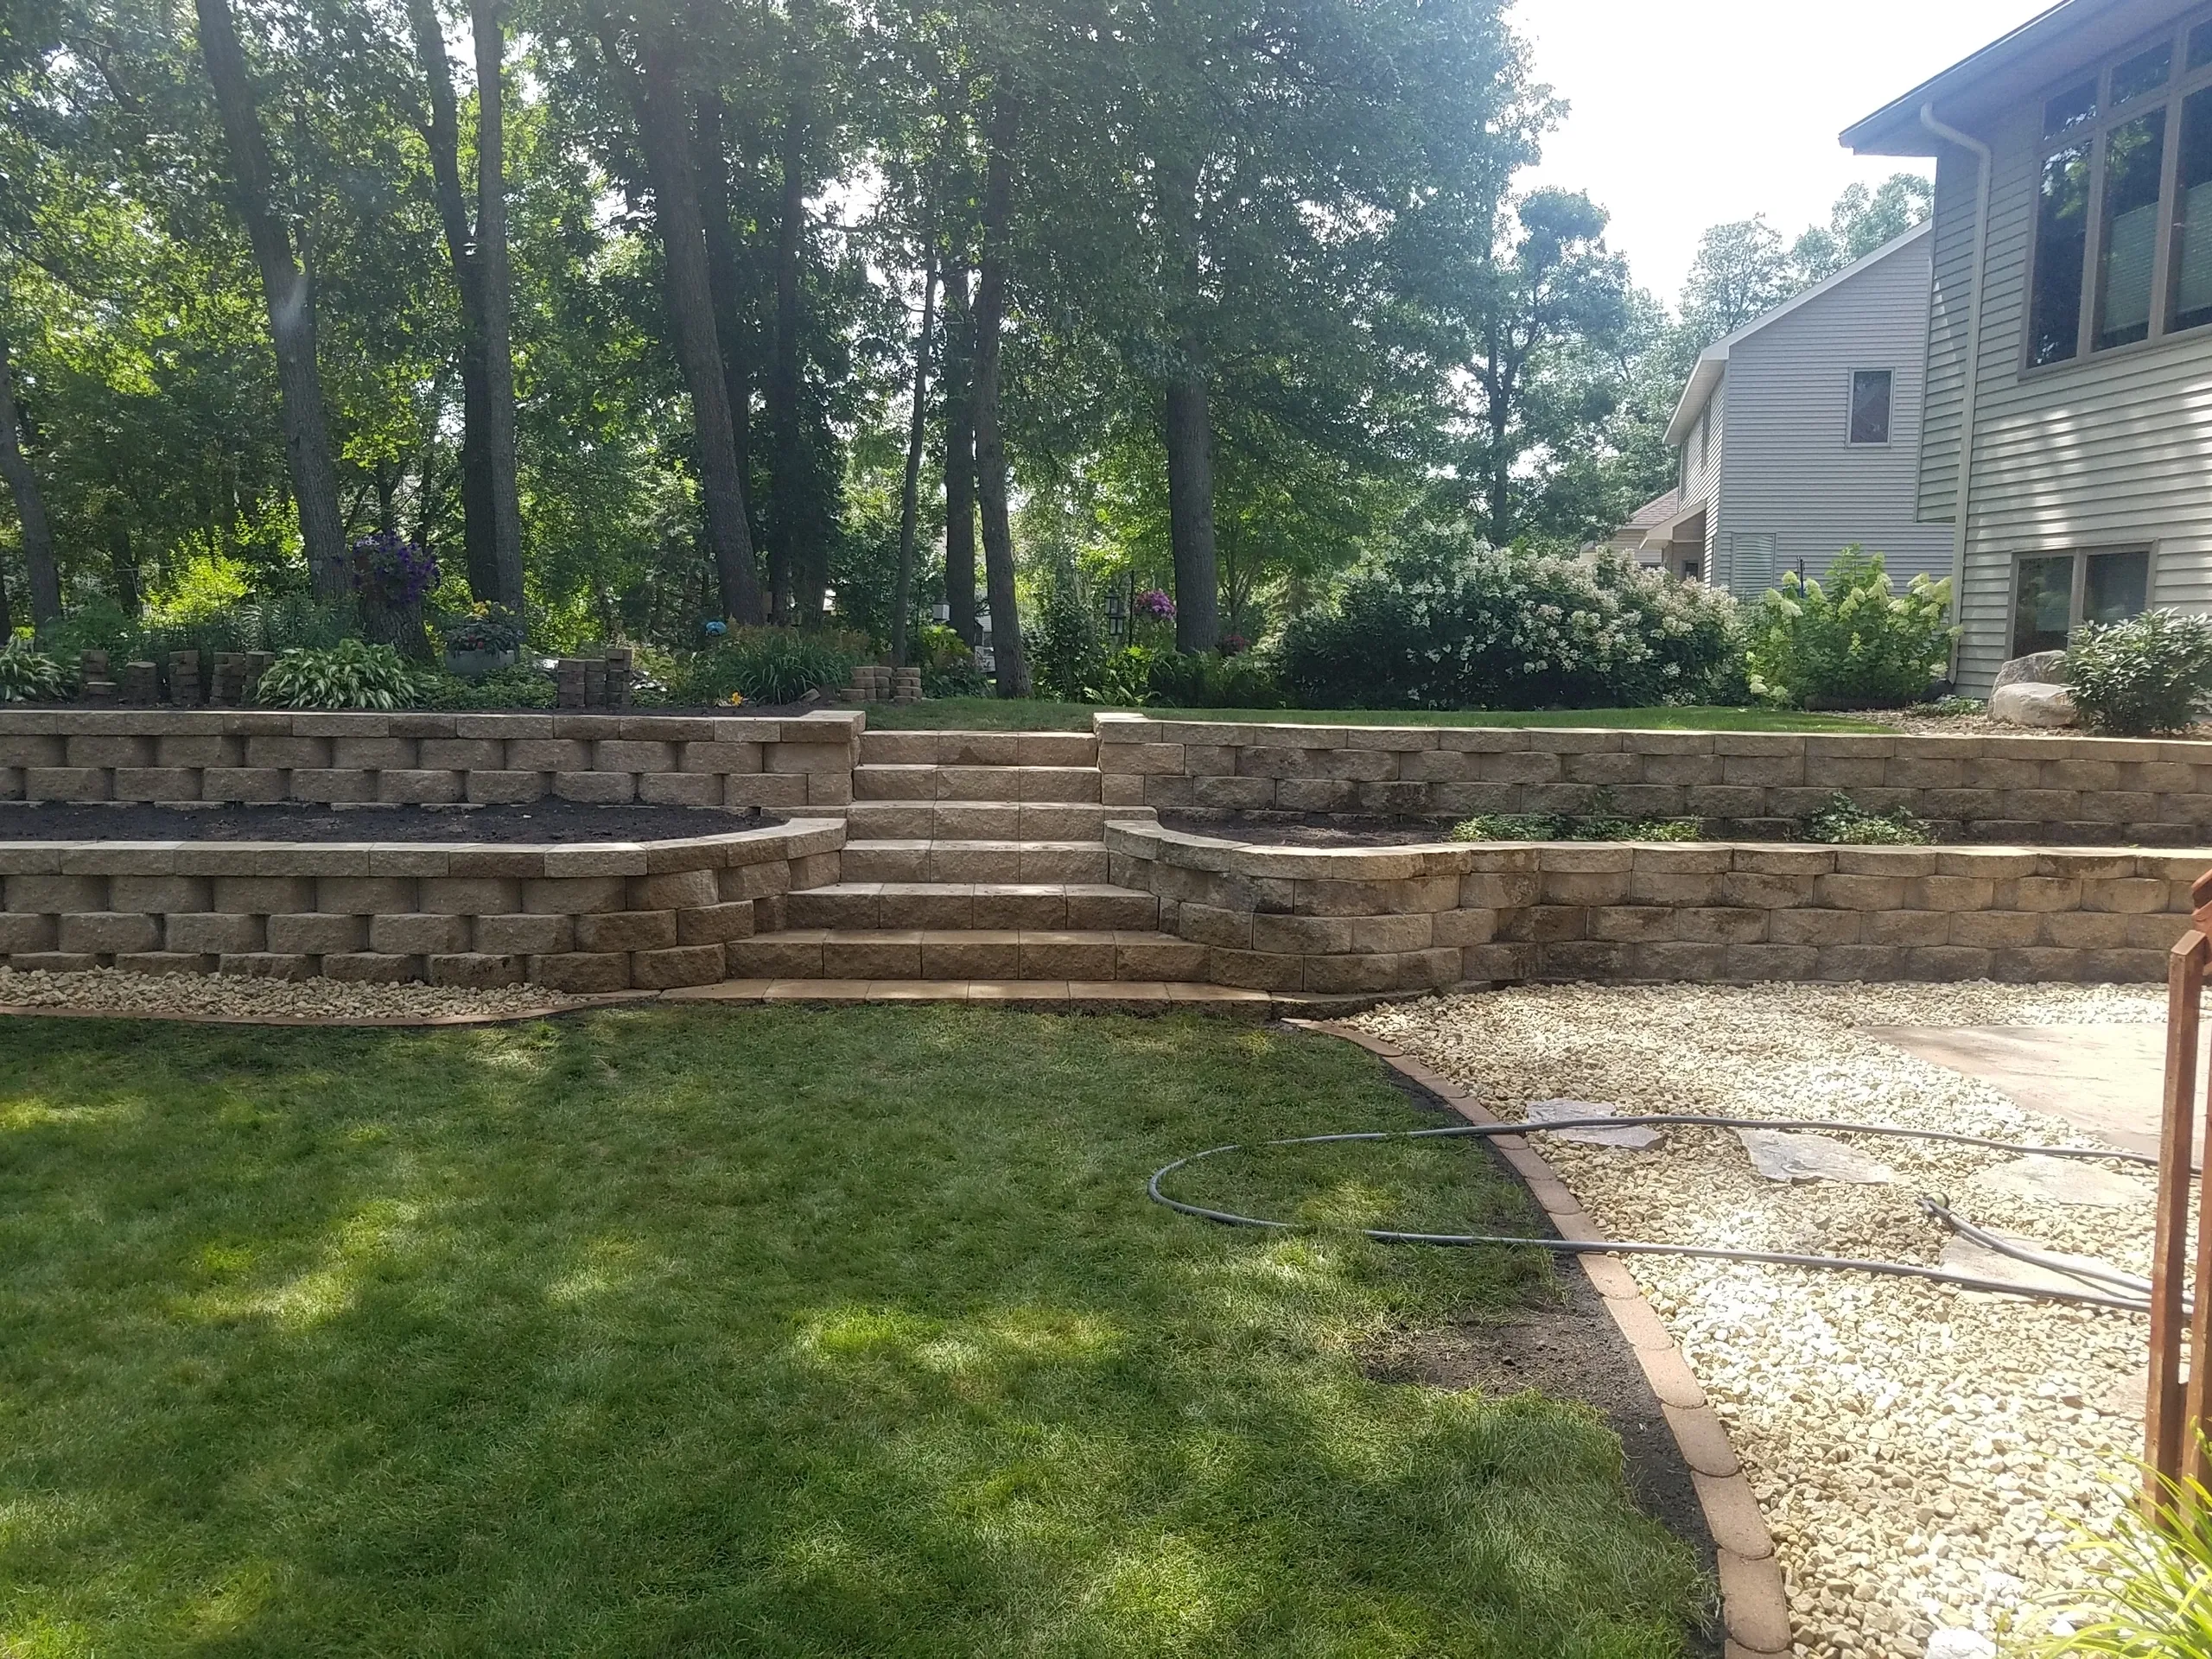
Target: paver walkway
2109,1080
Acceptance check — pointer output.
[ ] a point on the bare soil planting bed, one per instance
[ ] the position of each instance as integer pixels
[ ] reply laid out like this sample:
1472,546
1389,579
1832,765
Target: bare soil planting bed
541,822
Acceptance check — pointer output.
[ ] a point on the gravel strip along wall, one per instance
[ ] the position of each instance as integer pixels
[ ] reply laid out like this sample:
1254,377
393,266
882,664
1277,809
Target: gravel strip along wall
1748,786
273,754
1340,921
1922,1456
607,917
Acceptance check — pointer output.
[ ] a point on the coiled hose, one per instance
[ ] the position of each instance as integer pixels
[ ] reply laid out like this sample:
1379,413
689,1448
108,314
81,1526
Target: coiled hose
2102,1287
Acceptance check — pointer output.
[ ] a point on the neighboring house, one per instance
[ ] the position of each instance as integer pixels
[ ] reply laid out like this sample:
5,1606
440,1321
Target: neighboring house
1630,536
1799,434
2072,237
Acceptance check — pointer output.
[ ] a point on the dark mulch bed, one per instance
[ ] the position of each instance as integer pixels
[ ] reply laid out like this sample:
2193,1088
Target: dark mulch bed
1311,830
542,821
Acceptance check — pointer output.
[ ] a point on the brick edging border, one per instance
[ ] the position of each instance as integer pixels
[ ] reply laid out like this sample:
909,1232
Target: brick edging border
1754,1601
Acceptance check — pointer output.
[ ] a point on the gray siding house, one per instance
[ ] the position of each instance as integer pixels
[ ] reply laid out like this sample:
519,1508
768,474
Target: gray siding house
1799,435
2070,352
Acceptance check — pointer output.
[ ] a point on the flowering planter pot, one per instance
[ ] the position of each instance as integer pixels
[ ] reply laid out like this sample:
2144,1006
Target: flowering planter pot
475,664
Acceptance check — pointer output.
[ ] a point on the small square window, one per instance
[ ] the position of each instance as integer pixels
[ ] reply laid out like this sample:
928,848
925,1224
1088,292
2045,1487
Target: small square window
2146,71
1869,406
2071,108
2200,47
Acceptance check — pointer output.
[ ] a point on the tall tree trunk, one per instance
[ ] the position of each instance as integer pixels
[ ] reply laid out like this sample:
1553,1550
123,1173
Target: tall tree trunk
495,297
910,494
656,92
725,276
30,505
1190,515
290,296
1186,432
1012,667
794,481
959,456
123,566
443,136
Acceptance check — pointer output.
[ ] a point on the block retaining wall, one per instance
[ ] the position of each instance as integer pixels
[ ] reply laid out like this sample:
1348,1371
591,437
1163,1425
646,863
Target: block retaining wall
2046,789
261,755
607,917
1338,922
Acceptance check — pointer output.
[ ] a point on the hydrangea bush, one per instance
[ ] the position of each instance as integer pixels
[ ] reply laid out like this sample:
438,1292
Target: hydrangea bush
1450,622
1851,641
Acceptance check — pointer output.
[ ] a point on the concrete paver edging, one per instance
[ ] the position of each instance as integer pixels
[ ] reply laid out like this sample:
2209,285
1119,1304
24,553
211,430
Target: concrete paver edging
1754,1603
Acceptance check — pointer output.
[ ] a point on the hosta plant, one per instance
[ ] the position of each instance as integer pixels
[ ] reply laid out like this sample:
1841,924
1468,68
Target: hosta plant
349,674
27,676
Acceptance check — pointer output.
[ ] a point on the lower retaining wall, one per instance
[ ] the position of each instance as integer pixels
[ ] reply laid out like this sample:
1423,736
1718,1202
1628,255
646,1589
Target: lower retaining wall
1341,922
598,918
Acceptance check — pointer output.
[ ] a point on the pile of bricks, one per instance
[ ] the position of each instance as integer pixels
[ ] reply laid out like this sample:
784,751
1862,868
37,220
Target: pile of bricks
602,682
875,682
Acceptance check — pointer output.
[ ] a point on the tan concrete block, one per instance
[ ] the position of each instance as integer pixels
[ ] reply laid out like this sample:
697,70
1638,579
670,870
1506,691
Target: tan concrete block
1595,960
1502,890
756,880
582,973
54,961
505,788
1315,795
1859,892
463,754
1386,934
156,784
768,790
21,749
1069,955
1576,887
92,750
164,962
689,965
1907,927
525,935
1757,964
161,894
1211,924
1500,962
2088,929
55,893
1719,925
2038,893
372,967
1545,923
422,787
418,935
1143,956
214,933
1281,935
626,929
1602,768
1993,928
266,964
547,754
67,784
22,930
1258,971
375,754
266,895
829,789
269,749
2137,897
474,970
1815,927
365,895
680,788
1675,888
602,788
1350,976
676,890
720,757
1522,766
714,923
619,755
245,784
468,895
332,784
315,932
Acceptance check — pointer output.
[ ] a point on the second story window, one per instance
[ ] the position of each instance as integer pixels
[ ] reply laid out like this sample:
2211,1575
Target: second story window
1869,406
2123,235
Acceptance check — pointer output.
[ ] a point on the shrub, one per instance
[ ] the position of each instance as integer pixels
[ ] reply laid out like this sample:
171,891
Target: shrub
28,676
1843,823
767,665
1448,622
1207,679
349,674
1066,651
484,626
519,687
1851,642
1950,708
2147,673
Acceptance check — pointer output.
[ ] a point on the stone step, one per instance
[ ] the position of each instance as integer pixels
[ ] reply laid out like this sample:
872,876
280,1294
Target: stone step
890,860
1037,995
870,953
986,820
932,782
1084,907
979,748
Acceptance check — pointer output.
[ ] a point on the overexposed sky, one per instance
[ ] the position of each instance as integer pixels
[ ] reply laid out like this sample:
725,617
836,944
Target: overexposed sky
1686,113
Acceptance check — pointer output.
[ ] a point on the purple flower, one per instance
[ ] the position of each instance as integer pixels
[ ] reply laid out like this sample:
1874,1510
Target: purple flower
1154,606
398,572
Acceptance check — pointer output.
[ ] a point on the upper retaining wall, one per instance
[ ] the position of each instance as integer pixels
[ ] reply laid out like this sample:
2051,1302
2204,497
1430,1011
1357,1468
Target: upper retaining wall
1757,786
596,916
409,758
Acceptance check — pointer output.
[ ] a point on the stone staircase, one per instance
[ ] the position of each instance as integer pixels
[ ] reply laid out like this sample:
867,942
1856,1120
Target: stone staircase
977,859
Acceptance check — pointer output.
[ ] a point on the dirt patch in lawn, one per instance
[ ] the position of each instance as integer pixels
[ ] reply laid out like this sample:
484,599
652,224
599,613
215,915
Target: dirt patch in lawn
546,821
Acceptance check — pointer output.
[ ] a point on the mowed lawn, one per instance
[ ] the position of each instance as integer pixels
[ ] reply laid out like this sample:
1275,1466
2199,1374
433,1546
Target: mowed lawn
762,1331
1037,715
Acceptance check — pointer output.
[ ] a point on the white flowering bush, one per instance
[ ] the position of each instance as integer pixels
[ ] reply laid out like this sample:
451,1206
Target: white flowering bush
1449,622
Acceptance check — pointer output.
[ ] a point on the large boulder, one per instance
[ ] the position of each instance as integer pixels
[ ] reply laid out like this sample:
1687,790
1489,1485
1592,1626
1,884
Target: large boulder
2040,668
2025,703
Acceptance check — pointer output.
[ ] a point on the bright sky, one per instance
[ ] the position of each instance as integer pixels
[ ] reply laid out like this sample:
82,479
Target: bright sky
1687,113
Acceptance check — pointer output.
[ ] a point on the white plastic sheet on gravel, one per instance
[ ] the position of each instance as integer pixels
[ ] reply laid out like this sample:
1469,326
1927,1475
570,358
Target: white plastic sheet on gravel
1924,1455
107,990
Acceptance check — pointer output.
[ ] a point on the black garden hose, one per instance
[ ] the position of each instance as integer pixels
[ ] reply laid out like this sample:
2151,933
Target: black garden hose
2102,1288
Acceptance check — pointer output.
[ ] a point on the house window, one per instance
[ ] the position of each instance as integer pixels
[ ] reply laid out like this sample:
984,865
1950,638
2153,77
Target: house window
2054,593
2123,236
1869,406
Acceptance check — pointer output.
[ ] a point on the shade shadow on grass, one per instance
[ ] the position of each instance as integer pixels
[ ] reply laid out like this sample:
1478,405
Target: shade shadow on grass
758,1331
1036,715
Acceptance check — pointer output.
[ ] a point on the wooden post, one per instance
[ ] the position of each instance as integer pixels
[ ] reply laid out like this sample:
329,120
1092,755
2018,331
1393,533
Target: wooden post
2175,1411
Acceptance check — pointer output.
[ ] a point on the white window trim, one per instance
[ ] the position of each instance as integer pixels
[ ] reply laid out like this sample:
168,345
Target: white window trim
1889,422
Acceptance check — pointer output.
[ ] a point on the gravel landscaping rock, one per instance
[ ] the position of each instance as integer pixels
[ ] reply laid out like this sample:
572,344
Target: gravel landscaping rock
107,991
1922,1455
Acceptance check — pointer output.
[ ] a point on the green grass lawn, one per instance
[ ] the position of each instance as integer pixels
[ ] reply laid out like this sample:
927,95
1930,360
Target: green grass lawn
761,1332
1033,715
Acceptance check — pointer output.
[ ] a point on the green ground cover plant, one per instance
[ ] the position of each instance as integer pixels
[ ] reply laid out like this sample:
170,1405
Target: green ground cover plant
1841,822
769,1332
348,675
29,676
1597,821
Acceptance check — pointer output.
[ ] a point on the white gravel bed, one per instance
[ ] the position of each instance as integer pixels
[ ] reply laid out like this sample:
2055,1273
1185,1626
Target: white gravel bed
107,991
1924,1455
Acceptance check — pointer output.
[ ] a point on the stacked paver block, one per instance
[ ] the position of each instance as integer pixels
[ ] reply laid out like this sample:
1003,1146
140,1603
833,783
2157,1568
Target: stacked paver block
611,917
2054,789
259,755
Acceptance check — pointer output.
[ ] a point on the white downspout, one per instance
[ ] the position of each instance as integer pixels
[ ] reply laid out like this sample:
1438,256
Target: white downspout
1963,489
